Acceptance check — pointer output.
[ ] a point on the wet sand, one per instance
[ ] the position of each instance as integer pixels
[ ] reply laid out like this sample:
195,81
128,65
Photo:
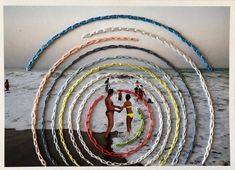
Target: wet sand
19,149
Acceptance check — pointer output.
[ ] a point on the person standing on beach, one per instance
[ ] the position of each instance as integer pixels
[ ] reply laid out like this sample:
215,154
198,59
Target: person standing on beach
107,87
136,91
120,96
130,114
137,85
7,85
111,108
141,93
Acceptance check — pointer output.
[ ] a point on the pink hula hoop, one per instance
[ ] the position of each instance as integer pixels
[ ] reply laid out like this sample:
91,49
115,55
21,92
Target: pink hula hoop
110,153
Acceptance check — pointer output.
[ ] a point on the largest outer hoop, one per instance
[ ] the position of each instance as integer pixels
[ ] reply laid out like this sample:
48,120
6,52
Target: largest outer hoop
108,17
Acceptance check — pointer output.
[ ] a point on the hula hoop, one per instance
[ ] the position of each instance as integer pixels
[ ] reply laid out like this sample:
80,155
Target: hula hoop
97,157
105,151
93,70
108,17
83,104
138,132
123,47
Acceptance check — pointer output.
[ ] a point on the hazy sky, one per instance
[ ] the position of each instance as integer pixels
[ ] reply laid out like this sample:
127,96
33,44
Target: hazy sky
28,28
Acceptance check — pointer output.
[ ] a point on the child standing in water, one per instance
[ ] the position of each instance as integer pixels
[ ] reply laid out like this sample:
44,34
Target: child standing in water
130,114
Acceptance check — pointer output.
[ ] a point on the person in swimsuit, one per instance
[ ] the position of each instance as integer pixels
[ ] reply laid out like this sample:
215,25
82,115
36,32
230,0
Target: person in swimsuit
111,108
141,93
130,114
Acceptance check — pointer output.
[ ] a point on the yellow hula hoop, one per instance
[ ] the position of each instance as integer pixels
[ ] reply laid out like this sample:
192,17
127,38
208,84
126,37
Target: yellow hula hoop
97,69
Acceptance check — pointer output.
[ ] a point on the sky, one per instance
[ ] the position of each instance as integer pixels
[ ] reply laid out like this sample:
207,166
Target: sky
27,28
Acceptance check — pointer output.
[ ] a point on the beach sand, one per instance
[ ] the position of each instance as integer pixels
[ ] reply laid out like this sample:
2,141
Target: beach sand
22,96
19,149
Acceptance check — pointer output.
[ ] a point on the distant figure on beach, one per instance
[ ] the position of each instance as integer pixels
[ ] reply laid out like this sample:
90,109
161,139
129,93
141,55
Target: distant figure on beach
130,114
137,84
107,87
136,91
141,93
150,101
7,85
120,96
111,108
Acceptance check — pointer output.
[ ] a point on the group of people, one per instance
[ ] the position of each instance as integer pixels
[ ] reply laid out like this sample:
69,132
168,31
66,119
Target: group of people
111,108
139,91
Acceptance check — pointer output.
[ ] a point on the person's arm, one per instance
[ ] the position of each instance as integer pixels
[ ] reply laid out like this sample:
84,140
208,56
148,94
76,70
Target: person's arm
119,107
124,106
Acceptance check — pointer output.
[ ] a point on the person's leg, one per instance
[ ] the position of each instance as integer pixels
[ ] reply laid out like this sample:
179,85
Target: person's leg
128,124
110,123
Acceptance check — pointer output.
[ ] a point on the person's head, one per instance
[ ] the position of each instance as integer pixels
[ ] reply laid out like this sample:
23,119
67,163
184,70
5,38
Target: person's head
6,80
110,92
128,97
137,82
141,85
